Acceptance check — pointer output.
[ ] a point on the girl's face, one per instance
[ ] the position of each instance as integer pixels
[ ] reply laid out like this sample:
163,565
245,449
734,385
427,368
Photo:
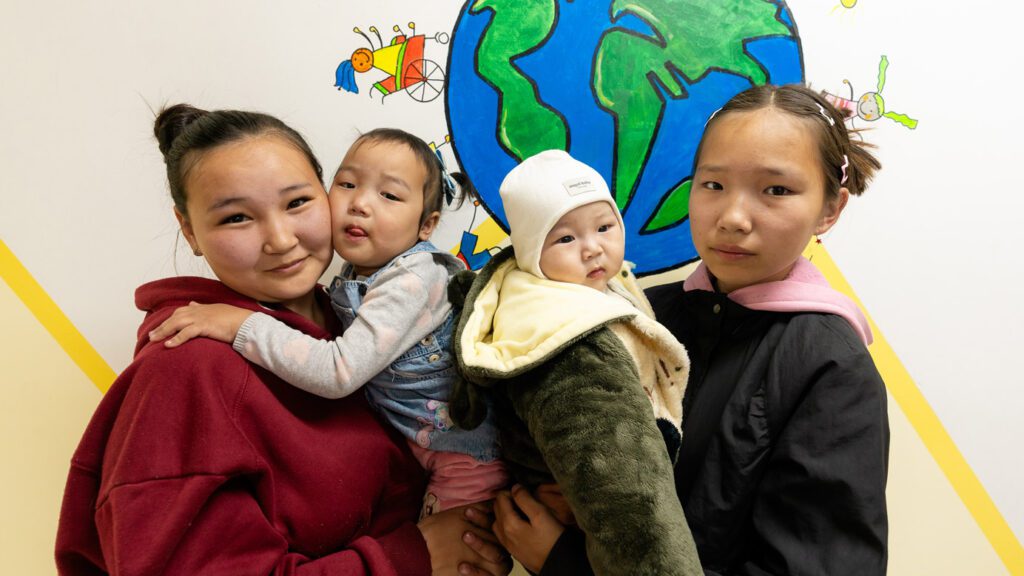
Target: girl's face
758,195
259,214
376,204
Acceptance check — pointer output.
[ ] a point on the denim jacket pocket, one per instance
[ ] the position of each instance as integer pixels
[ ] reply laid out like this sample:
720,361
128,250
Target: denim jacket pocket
431,357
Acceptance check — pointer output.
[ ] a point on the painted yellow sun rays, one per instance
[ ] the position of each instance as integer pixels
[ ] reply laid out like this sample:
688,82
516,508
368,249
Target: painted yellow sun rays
844,4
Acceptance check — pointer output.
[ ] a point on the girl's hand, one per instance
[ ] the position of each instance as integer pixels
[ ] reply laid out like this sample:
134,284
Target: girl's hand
460,542
217,321
529,539
551,496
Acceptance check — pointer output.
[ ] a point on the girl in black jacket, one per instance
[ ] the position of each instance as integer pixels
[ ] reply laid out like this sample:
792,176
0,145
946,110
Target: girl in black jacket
785,432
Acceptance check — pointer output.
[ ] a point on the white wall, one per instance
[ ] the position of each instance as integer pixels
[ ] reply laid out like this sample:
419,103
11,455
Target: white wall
931,249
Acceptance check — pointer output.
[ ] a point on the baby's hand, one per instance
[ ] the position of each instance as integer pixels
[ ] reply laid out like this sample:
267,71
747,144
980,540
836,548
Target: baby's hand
217,321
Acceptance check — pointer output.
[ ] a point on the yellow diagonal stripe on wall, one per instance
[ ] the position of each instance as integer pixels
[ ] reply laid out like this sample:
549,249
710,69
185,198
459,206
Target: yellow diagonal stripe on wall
53,319
928,426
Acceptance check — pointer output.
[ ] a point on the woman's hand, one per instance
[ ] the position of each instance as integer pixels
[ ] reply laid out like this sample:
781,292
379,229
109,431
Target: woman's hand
460,542
529,539
217,321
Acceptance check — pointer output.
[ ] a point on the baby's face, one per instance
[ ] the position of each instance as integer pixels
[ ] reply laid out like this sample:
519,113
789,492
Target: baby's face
584,247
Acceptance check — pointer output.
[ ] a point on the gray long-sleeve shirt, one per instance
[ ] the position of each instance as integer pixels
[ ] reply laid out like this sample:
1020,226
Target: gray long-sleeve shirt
407,302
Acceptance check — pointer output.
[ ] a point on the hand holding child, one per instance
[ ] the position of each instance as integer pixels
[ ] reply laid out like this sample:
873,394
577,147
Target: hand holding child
528,539
217,321
460,542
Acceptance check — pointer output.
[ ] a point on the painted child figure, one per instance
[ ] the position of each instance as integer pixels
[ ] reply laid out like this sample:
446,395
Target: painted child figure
391,297
586,386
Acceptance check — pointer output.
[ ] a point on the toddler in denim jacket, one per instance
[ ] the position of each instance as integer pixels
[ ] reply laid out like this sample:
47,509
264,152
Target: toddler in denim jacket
391,298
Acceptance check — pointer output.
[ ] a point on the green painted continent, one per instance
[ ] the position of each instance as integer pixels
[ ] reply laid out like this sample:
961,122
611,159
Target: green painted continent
632,70
526,125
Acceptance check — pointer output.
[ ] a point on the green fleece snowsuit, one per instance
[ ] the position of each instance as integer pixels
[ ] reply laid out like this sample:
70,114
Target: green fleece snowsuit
571,407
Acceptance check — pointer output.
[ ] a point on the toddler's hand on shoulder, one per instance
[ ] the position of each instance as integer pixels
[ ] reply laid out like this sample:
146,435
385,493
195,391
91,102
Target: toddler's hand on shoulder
217,321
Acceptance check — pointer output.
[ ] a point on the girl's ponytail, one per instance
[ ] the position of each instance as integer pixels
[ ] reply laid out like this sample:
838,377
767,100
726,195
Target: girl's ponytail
862,163
465,190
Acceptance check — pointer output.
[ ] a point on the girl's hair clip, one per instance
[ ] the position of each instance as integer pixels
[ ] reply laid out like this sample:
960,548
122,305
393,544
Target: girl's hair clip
828,117
846,164
710,118
447,182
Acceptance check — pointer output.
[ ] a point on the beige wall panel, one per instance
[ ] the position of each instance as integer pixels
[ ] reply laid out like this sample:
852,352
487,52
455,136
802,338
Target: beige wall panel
47,402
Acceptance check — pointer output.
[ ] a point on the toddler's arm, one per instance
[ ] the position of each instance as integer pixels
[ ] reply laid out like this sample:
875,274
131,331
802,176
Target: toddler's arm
405,304
217,321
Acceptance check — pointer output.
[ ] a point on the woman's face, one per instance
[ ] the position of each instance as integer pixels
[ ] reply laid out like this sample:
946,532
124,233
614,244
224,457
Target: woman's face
259,214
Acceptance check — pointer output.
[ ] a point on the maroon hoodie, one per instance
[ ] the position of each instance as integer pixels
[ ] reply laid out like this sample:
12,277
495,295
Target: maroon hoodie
198,462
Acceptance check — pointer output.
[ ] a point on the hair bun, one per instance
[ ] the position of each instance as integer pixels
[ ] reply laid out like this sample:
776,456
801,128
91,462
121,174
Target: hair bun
172,121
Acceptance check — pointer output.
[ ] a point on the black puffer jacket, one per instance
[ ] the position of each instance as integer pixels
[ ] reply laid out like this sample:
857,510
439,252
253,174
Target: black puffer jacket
788,475
792,480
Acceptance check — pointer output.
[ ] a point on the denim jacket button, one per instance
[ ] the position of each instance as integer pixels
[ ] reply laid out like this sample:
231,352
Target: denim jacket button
434,357
426,341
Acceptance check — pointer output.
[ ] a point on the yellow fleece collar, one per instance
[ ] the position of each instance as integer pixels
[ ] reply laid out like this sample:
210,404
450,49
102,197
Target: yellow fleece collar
519,319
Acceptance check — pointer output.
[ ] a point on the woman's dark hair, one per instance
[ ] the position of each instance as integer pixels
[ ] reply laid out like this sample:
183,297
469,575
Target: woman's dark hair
184,133
834,141
434,185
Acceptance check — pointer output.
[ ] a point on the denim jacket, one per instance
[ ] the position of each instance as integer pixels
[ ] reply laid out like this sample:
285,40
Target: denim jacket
412,393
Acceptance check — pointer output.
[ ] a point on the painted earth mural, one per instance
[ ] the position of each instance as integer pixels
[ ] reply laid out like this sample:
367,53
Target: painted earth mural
623,86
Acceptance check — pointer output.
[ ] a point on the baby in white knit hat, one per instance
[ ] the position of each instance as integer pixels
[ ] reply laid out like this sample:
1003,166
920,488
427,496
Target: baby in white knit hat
564,224
556,338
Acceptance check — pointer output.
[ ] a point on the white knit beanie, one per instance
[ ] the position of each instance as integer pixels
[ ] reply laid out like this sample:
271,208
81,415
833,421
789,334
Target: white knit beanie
538,192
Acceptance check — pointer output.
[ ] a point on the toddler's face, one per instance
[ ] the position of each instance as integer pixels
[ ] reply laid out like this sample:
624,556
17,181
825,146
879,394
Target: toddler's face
376,203
585,247
758,196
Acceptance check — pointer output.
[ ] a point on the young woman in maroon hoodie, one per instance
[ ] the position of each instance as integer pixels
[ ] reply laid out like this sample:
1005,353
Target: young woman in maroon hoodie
198,462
